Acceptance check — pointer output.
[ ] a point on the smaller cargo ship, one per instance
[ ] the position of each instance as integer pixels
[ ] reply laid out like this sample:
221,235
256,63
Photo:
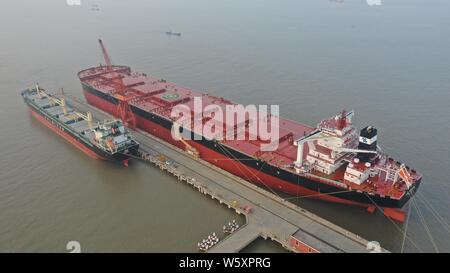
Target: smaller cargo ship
107,140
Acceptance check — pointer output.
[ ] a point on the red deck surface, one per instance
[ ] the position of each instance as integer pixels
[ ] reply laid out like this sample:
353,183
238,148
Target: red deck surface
159,97
150,94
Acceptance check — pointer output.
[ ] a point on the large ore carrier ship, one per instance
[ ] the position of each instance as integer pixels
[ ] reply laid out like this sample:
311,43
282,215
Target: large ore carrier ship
330,161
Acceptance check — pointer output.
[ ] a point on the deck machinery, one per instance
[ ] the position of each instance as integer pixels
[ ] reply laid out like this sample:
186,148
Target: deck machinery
331,161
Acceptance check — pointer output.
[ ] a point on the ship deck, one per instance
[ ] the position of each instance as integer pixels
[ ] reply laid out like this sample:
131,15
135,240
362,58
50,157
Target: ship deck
159,96
375,185
78,125
69,118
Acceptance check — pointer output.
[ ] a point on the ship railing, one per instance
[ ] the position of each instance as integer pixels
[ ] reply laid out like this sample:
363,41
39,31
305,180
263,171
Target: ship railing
340,184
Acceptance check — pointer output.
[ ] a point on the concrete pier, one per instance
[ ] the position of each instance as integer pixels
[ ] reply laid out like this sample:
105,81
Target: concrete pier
271,217
238,239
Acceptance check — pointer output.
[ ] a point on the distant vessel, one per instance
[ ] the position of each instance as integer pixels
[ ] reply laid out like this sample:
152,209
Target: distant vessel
108,140
331,161
95,7
173,33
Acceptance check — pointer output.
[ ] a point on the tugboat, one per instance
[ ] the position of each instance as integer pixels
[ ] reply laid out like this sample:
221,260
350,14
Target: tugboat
108,140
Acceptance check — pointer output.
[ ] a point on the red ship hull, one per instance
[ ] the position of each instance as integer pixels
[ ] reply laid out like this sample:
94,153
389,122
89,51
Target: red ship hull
67,123
150,100
65,135
235,167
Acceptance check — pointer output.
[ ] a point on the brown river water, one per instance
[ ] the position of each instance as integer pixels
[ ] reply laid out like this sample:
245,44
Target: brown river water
389,63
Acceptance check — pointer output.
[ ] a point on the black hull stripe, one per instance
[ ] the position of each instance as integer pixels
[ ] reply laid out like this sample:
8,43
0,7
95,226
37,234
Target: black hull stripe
256,164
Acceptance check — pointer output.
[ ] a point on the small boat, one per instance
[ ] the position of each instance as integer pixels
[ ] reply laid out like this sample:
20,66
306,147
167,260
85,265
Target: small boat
173,33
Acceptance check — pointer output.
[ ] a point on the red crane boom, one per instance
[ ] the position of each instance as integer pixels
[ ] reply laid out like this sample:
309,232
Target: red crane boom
123,108
105,55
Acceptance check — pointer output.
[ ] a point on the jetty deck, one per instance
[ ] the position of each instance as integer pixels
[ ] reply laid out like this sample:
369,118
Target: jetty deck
270,216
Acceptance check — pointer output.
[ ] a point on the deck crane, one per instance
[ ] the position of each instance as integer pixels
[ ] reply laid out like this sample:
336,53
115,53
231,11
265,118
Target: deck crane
53,100
62,102
123,111
188,147
105,55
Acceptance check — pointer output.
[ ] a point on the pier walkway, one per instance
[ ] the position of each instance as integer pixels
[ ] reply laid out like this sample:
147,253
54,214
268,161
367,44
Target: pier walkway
239,239
270,217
